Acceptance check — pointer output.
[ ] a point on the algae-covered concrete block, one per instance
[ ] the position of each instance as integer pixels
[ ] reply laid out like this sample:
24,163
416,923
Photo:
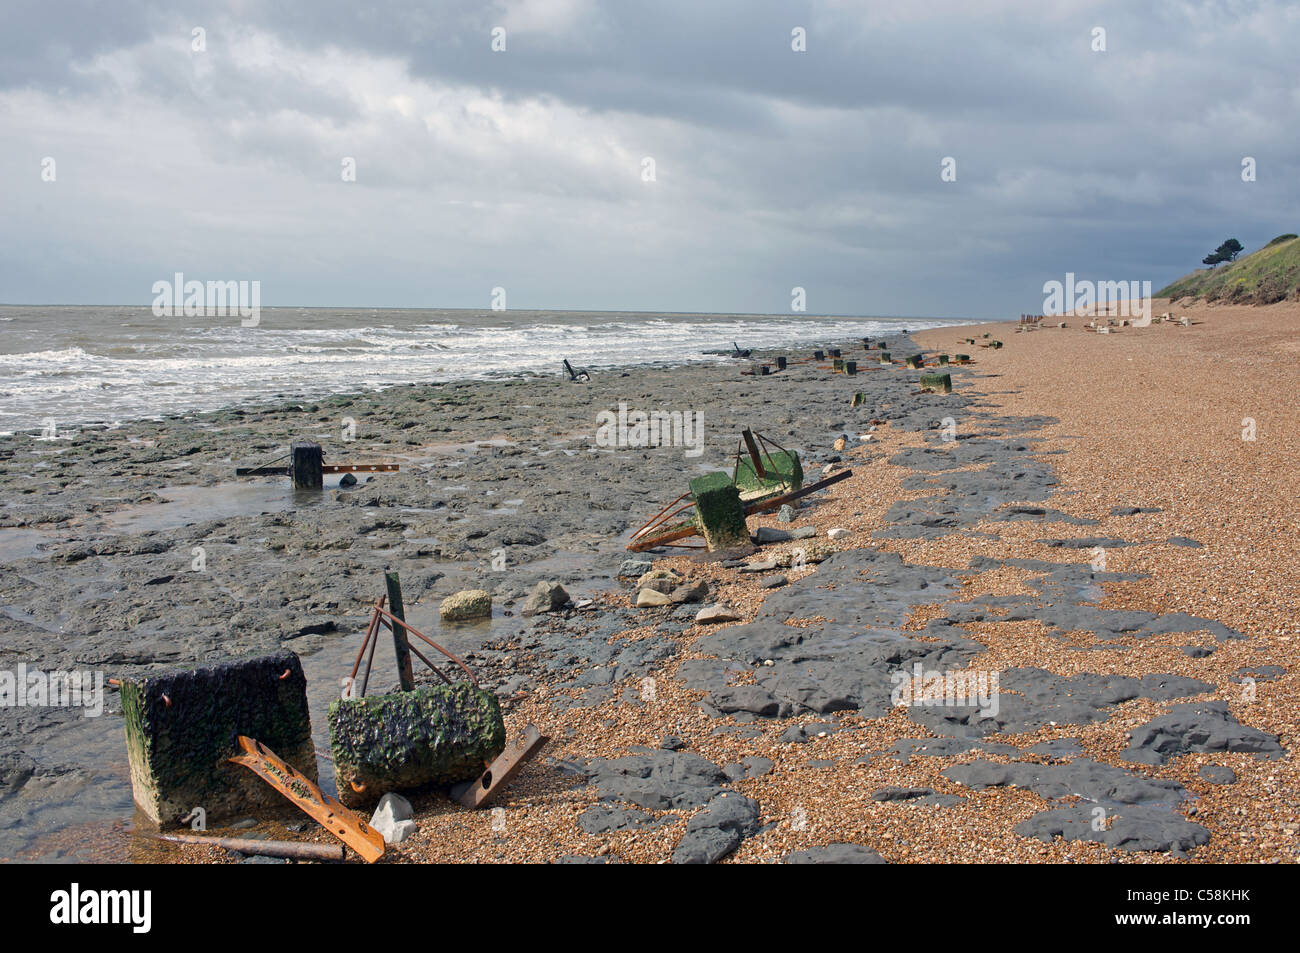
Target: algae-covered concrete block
943,359
886,358
915,362
718,512
941,383
409,740
181,727
781,466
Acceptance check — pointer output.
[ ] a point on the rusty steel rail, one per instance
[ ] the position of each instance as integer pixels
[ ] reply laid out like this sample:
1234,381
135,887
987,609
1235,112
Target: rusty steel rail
392,619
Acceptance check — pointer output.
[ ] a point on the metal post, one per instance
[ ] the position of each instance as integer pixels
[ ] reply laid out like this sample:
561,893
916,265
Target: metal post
400,646
305,466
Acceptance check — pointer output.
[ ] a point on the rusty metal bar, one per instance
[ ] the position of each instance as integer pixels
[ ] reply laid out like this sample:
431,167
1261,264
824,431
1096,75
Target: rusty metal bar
293,850
359,468
437,671
503,768
417,633
656,518
370,657
303,792
777,501
370,633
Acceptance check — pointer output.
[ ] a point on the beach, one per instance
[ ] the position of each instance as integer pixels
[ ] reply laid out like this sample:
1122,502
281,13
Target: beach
1104,527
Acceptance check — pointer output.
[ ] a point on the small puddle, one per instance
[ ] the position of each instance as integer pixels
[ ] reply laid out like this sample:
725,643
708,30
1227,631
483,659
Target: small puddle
187,505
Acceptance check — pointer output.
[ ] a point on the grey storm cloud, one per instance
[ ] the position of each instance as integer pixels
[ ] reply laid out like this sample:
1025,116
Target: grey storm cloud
523,168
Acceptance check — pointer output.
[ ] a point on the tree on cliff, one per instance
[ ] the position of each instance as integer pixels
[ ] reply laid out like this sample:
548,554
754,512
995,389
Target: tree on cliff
1228,251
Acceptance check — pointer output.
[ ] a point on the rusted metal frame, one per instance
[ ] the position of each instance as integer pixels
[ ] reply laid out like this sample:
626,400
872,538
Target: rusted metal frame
766,449
653,541
649,524
370,634
327,811
420,655
418,634
370,658
776,501
755,457
503,768
360,467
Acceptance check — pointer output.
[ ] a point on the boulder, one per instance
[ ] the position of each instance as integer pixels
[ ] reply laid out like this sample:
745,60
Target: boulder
466,604
545,597
393,818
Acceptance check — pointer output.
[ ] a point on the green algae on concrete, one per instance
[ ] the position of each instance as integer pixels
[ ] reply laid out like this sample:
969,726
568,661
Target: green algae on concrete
181,727
937,382
410,740
718,512
782,467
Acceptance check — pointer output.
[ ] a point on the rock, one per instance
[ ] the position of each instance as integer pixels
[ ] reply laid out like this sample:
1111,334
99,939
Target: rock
804,532
773,582
635,567
749,698
1130,828
672,743
466,604
1197,727
835,854
660,580
837,533
769,534
840,443
393,818
545,597
603,819
652,597
712,615
717,830
348,480
1218,774
752,767
688,593
785,514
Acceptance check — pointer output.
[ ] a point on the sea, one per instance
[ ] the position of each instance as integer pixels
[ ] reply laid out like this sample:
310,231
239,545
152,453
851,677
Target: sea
107,364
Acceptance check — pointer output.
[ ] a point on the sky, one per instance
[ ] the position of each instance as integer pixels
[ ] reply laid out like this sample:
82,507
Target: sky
139,139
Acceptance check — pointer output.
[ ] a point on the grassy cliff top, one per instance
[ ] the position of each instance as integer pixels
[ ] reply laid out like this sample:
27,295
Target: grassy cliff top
1262,277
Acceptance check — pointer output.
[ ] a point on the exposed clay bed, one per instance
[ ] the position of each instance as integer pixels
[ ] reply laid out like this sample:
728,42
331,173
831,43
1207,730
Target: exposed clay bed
771,738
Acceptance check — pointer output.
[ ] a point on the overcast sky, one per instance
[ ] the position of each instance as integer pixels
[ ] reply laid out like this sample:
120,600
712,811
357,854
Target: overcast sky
524,168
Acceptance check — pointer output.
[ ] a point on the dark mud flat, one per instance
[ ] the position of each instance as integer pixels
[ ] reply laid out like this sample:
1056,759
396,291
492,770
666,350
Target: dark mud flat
134,548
